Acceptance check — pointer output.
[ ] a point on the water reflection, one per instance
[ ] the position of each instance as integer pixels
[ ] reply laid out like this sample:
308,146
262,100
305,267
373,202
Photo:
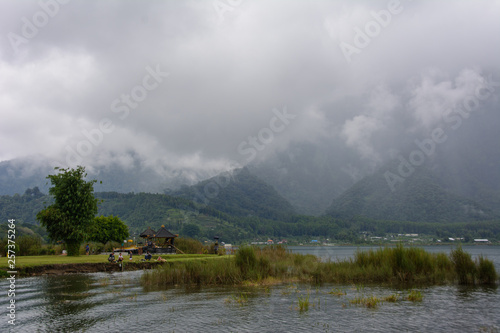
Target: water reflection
467,293
116,302
68,298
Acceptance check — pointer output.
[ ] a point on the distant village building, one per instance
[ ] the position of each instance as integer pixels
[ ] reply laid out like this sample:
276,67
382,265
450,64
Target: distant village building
481,240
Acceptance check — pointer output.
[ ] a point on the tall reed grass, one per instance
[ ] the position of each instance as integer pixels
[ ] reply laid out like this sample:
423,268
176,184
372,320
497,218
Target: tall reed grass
406,265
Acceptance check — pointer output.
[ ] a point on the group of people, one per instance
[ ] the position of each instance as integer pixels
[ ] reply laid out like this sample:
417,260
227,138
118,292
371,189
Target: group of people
112,258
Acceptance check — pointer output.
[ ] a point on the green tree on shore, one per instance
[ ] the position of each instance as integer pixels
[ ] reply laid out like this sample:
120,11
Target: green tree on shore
70,218
108,228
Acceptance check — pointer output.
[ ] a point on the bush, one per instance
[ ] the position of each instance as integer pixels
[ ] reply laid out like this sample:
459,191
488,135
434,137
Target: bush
5,248
211,272
188,245
29,245
246,259
53,249
402,264
464,266
109,246
97,248
73,247
486,271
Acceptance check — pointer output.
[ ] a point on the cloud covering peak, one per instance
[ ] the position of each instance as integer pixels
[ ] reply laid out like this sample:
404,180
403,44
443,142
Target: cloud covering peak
182,85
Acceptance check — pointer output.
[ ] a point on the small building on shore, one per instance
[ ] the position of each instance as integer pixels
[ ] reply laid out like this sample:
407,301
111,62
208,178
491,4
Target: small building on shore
161,241
481,241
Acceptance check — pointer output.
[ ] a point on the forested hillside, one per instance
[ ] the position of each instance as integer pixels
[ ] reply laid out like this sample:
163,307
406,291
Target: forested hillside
240,194
185,217
418,198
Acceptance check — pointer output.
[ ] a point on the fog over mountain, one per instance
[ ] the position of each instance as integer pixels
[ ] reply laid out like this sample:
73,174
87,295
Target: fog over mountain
311,95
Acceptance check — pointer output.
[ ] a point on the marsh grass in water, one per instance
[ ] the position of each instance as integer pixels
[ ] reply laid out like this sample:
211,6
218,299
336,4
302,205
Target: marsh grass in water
470,272
486,273
303,302
275,264
415,296
369,302
392,298
337,292
240,300
465,267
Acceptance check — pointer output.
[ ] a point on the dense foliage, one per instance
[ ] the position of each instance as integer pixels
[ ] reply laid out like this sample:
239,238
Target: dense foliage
239,194
72,213
418,198
108,229
138,211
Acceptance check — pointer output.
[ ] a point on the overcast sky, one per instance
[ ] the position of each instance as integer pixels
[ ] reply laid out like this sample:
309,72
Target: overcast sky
188,84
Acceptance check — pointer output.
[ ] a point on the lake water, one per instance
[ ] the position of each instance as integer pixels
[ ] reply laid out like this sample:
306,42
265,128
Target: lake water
116,302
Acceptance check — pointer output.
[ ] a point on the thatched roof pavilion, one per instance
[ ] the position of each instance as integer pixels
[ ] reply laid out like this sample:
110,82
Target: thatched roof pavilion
166,235
148,233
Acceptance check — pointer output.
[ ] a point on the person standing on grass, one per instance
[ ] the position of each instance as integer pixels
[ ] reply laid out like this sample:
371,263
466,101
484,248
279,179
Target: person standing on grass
130,258
120,257
87,249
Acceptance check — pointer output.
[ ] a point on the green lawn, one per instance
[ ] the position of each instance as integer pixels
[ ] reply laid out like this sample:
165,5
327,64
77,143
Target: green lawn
28,261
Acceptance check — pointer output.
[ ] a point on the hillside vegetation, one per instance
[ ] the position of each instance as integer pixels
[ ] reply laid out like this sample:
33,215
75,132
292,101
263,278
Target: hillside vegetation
419,198
240,194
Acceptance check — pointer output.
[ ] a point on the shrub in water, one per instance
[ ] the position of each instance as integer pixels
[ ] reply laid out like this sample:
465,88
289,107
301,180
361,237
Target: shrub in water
486,271
415,296
393,298
369,302
464,266
246,259
304,303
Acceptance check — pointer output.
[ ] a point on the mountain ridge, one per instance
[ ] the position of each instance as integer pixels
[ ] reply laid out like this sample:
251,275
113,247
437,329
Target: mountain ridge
239,193
419,198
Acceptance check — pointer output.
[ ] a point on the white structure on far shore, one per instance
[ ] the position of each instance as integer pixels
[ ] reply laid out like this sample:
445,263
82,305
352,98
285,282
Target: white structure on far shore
481,240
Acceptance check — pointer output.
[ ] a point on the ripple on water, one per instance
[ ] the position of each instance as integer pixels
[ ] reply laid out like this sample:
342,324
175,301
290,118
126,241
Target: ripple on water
116,302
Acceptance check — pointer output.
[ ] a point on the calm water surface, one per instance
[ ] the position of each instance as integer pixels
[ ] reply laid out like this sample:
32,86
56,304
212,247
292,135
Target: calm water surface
116,302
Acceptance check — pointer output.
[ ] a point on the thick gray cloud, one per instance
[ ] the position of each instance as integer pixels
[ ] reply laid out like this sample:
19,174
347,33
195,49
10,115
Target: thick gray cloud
82,82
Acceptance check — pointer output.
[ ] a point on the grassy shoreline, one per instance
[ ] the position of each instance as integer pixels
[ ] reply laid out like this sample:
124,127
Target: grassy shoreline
276,264
58,264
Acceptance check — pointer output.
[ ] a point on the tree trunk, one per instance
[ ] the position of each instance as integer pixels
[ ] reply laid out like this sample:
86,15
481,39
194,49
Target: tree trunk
73,248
